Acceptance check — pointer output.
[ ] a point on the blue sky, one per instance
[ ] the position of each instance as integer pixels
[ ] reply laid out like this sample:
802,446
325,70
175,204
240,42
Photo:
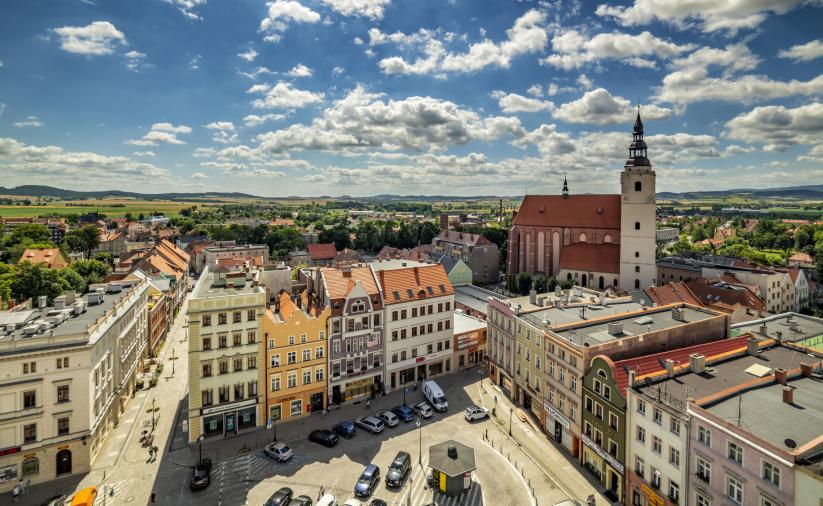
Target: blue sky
361,97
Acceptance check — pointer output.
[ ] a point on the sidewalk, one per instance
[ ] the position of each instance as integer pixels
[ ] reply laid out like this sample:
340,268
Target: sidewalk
555,463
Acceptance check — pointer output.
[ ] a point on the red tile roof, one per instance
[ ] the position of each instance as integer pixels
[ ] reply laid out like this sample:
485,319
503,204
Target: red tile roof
51,257
590,257
324,251
588,211
672,294
414,283
339,282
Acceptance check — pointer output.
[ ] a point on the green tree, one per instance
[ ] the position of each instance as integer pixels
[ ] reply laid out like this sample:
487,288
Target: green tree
34,280
524,283
92,271
539,283
7,274
818,259
83,240
71,280
339,235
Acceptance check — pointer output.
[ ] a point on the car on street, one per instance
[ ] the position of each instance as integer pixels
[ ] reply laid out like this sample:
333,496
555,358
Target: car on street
346,429
278,451
368,481
473,412
399,469
403,412
423,409
301,500
201,475
327,500
371,424
324,437
378,502
352,502
280,498
389,418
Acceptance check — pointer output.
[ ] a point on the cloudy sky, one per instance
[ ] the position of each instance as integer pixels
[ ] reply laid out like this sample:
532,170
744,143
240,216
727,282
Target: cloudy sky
361,97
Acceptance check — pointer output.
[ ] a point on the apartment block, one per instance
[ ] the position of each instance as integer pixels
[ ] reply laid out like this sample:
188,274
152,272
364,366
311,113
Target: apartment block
226,357
67,371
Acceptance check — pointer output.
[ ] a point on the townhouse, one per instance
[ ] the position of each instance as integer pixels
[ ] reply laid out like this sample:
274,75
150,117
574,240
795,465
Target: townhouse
469,341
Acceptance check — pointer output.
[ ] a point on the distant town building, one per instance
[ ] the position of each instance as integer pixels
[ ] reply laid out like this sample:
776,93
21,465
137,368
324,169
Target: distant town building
480,254
50,257
321,255
802,260
257,253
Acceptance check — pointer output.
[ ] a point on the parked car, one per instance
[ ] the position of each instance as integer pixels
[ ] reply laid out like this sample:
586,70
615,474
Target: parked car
368,481
324,437
280,498
378,502
475,413
345,429
327,500
278,451
301,500
403,412
388,418
398,470
423,409
201,475
371,424
352,502
434,394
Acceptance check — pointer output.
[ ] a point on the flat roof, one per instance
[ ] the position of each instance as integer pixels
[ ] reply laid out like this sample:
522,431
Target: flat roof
473,296
205,290
635,323
567,315
586,296
396,263
464,323
762,412
807,326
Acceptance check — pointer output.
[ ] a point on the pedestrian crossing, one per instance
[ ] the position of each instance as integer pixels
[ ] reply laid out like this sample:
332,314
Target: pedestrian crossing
116,492
232,478
422,495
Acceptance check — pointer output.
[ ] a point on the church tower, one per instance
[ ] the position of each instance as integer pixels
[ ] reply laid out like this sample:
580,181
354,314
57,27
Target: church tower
637,216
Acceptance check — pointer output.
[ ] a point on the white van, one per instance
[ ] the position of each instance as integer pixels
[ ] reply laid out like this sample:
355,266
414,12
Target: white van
327,500
434,394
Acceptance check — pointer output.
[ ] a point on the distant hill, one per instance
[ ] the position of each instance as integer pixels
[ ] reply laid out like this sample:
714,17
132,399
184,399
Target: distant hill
50,191
813,191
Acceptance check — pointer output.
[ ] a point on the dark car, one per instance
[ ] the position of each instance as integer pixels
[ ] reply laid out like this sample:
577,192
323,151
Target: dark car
301,500
398,470
378,502
324,437
404,413
280,498
346,429
368,481
201,475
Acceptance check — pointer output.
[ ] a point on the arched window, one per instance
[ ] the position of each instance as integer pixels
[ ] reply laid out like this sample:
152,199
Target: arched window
638,186
636,268
582,237
569,276
600,282
607,238
30,465
637,284
585,281
615,282
637,225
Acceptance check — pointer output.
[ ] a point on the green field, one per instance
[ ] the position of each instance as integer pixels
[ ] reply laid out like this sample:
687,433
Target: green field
815,343
105,206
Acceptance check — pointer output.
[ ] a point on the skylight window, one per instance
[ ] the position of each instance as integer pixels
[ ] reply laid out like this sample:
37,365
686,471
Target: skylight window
410,292
429,289
645,320
442,288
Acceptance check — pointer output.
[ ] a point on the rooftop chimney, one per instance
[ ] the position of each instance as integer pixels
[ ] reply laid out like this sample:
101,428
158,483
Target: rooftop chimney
764,330
780,375
677,314
788,395
533,297
697,363
631,377
751,346
615,328
806,369
670,367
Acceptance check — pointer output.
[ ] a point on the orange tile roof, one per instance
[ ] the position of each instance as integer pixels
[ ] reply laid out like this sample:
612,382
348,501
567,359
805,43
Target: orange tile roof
51,257
584,256
414,283
590,211
323,251
672,294
287,306
339,283
710,295
801,257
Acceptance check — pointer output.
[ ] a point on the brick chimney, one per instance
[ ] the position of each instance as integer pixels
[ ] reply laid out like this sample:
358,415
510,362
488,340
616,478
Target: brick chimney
788,395
780,376
806,369
751,346
444,221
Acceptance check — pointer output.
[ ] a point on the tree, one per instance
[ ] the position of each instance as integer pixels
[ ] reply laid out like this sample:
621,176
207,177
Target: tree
524,283
818,259
83,240
92,271
34,280
339,235
71,280
7,274
539,284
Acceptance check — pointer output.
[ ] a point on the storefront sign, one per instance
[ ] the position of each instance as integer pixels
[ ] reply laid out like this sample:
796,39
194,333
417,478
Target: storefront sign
230,407
594,446
654,499
359,383
420,359
550,410
9,451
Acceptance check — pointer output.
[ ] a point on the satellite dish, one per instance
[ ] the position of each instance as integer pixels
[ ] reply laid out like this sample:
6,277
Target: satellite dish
791,443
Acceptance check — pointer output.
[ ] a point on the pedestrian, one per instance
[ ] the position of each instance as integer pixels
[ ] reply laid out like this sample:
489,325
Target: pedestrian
15,494
152,498
26,486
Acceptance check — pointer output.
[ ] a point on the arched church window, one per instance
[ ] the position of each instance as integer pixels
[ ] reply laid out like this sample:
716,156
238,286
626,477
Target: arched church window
607,238
582,237
638,186
637,284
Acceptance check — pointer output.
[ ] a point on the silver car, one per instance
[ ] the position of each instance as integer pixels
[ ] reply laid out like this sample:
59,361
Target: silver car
388,418
371,424
278,451
423,409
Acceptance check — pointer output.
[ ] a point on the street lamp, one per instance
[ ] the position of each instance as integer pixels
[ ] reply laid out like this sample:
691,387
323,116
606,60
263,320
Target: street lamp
511,412
200,450
153,421
173,358
405,389
419,423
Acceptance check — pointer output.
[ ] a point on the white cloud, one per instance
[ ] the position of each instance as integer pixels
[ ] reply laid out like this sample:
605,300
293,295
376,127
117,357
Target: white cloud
708,15
97,38
283,96
573,49
804,52
548,141
186,7
135,60
512,102
527,35
254,74
535,90
249,55
25,164
601,107
337,71
199,175
281,13
165,133
29,122
778,127
253,120
372,9
149,154
300,70
194,63
204,152
584,81
223,132
733,58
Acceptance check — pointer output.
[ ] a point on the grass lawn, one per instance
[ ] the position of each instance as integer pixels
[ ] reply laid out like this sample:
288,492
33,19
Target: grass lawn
113,208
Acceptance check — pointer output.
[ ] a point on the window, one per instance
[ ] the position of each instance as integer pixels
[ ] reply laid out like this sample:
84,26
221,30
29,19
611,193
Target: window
206,343
702,500
641,406
704,435
607,393
639,467
237,317
221,318
658,416
251,362
674,491
239,391
63,393
612,448
29,399
704,470
275,383
675,426
251,337
224,367
275,360
31,465
62,426
735,453
657,446
306,354
252,389
62,363
237,364
206,320
613,421
29,367
206,370
636,268
237,339
250,315
655,478
734,489
598,410
30,433
771,473
207,397
764,501
222,342
292,379
306,376
318,352
296,408
674,456
637,225
638,186
597,386
223,394
394,316
641,435
291,340
291,357
318,374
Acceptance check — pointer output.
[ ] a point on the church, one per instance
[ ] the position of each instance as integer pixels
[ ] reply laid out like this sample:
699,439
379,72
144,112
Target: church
597,241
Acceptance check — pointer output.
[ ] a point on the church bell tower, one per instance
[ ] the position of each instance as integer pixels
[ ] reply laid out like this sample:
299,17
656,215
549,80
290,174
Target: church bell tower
638,231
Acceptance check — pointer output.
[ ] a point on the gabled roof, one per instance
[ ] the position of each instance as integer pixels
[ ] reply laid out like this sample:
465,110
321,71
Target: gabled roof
672,294
464,238
414,283
587,211
800,257
325,251
591,257
339,282
52,257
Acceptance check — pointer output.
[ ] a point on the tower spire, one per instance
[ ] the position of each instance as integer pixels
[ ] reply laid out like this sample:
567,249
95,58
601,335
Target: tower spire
565,187
637,149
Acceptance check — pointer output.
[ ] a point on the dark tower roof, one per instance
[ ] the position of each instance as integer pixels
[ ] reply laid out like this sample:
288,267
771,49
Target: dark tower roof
565,187
637,149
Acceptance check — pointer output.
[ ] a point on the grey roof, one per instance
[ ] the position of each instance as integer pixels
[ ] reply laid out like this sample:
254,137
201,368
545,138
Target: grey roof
473,297
205,289
635,323
762,412
567,315
464,323
807,326
439,458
